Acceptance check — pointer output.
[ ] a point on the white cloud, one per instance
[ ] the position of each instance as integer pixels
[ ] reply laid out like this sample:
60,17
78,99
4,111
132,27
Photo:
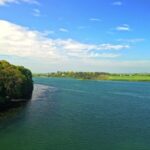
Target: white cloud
36,12
104,55
4,2
123,27
95,19
20,41
23,46
117,3
78,47
63,30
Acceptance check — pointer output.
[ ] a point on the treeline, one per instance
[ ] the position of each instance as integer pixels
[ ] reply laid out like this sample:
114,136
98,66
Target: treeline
77,75
98,75
15,82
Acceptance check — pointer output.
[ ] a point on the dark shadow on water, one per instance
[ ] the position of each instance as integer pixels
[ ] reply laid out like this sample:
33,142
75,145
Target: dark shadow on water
12,109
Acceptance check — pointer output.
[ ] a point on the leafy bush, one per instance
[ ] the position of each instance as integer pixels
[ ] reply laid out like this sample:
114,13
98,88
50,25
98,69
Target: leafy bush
15,82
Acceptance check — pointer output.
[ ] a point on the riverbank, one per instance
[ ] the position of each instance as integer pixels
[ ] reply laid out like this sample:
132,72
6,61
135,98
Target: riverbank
98,76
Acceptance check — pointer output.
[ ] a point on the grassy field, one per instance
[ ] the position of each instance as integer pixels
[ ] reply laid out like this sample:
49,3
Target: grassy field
130,77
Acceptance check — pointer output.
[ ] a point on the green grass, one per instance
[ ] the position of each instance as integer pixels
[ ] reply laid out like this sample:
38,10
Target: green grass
129,77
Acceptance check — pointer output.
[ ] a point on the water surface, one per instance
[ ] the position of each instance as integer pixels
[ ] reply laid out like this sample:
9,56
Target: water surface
68,114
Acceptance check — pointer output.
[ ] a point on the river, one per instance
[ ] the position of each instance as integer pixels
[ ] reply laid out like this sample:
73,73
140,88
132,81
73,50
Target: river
68,114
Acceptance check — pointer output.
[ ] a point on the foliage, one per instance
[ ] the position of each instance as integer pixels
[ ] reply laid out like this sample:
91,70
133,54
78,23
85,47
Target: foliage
77,75
15,82
98,76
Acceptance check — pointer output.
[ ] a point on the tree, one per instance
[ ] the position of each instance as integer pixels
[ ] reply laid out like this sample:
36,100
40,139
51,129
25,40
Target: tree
15,82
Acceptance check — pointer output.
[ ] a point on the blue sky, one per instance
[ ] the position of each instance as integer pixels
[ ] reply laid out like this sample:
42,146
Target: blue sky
78,35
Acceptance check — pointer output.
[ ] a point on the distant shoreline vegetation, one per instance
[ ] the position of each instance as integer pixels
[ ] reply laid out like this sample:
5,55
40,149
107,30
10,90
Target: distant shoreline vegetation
16,84
97,76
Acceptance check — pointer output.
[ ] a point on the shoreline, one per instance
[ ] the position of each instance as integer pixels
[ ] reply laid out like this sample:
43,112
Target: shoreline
82,79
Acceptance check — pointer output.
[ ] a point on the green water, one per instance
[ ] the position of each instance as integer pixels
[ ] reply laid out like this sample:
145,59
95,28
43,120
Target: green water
80,115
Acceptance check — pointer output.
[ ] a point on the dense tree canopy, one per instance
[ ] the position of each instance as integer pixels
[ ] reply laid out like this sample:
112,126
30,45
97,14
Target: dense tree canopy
15,82
77,75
